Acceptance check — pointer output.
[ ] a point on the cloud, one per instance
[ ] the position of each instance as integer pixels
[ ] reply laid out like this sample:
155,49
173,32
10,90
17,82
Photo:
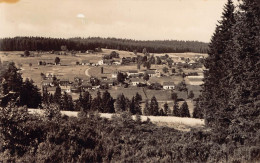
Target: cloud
80,16
9,1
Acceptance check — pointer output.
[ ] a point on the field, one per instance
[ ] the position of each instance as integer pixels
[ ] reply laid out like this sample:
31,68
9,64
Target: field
179,123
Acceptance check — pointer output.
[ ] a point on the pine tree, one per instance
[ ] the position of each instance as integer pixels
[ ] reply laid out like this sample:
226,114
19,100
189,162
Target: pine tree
11,84
154,107
121,103
214,94
85,101
166,109
97,103
30,95
135,107
176,110
245,74
45,96
146,108
198,111
57,95
108,102
184,110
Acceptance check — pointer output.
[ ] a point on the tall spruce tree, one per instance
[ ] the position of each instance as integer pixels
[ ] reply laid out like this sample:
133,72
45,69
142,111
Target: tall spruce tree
121,103
214,94
57,95
85,101
96,104
245,75
108,103
30,95
176,110
154,107
184,110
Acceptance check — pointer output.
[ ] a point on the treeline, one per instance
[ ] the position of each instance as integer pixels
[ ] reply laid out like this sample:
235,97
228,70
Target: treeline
83,44
155,46
42,44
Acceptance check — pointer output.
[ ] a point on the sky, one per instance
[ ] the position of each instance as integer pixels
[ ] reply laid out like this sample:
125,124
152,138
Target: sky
133,19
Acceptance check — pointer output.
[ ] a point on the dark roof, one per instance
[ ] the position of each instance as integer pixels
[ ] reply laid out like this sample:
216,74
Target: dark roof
168,83
137,80
133,71
47,81
64,80
150,71
51,88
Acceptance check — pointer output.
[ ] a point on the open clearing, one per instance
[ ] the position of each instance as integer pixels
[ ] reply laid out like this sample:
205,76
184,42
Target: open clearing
179,123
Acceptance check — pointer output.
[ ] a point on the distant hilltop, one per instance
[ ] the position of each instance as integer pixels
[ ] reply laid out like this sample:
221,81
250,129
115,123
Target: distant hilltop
77,43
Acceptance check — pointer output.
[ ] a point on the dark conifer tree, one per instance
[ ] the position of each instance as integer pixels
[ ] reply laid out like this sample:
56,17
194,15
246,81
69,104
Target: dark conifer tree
198,111
108,102
30,95
184,110
214,96
45,96
176,110
146,108
121,103
85,101
96,104
11,84
166,109
154,107
245,74
57,95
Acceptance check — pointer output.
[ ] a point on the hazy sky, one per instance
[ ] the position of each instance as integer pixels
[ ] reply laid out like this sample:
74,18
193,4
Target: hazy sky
135,19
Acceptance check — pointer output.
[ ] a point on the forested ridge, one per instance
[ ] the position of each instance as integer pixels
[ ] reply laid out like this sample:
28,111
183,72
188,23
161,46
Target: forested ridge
230,105
47,44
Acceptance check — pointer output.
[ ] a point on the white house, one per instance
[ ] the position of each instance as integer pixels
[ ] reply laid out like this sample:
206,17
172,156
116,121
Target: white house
132,73
65,88
168,85
101,62
136,81
153,73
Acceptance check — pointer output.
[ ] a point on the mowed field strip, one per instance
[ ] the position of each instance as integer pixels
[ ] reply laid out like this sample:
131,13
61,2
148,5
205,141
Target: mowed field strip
181,123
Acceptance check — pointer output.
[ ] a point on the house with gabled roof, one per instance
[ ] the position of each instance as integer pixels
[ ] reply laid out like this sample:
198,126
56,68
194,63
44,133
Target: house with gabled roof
168,85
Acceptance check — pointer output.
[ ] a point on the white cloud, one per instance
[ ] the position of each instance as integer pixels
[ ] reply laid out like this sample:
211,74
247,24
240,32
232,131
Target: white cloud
80,16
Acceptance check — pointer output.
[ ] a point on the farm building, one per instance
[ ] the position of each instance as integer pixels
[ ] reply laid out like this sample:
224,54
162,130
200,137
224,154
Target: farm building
51,90
136,81
168,85
48,82
85,62
132,73
105,62
107,82
65,88
114,74
64,82
153,73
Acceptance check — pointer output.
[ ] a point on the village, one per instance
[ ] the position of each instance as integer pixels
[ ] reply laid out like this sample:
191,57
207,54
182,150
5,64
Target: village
119,72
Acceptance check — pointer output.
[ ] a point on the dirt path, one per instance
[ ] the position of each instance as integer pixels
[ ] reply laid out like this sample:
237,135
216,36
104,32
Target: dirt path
86,72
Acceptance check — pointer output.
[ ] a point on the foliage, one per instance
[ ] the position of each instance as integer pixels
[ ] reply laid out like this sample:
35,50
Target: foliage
57,60
191,95
49,44
121,77
30,95
146,76
184,110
